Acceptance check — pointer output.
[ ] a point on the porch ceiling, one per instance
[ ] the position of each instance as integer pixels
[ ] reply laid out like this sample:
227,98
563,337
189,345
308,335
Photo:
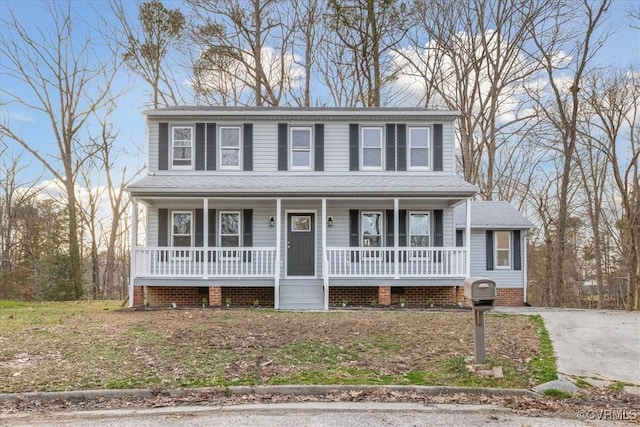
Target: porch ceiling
319,184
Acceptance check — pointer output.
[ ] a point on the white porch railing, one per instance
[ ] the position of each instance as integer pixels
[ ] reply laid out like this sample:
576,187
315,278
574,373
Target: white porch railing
411,262
169,262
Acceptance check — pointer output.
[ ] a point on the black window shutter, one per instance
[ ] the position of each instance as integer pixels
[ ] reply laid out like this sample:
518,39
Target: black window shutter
200,146
211,146
282,146
211,239
402,226
354,147
247,231
390,141
319,148
163,146
402,147
517,251
489,250
459,238
390,235
247,146
199,231
438,235
354,232
437,147
163,227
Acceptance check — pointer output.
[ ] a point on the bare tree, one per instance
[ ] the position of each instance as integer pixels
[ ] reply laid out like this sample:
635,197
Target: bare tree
66,81
307,34
147,45
573,33
247,43
469,56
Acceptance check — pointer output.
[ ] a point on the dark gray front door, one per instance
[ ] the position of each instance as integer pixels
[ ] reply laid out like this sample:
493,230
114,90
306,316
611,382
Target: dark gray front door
300,244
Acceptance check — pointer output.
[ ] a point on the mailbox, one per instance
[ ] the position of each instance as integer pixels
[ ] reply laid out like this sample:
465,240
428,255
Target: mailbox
480,292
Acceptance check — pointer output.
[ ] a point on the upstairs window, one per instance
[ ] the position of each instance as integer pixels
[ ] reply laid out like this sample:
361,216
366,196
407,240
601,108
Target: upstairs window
419,227
371,229
419,148
182,147
229,147
371,145
300,148
502,249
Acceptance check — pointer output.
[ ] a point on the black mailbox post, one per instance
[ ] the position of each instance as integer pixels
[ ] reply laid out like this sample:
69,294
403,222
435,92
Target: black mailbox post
481,294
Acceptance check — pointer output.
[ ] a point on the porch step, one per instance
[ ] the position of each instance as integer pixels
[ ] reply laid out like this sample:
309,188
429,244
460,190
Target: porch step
301,295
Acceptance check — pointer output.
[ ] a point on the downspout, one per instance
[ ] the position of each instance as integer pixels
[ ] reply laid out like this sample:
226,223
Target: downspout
134,244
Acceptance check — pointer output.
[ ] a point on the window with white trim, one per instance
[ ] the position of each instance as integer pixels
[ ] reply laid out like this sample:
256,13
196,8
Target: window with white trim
502,243
371,223
371,148
419,229
419,148
181,228
182,147
230,229
229,147
301,148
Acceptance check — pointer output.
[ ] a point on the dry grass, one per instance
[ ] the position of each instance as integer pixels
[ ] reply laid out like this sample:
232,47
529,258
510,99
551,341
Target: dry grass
89,345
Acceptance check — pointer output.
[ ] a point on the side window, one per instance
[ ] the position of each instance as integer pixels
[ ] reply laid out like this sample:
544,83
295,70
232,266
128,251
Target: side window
181,228
230,147
371,145
371,229
230,229
419,148
419,229
503,249
301,148
182,147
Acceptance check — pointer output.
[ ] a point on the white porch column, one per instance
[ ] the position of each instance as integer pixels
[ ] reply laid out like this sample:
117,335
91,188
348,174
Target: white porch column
467,239
396,237
325,272
205,237
134,244
276,290
524,264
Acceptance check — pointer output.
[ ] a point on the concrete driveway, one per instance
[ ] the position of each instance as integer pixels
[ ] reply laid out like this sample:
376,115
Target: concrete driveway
601,344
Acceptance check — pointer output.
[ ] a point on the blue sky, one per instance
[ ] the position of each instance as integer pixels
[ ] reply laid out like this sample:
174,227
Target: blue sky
622,49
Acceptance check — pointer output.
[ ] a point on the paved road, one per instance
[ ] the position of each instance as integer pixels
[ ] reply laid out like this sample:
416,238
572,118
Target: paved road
305,414
602,344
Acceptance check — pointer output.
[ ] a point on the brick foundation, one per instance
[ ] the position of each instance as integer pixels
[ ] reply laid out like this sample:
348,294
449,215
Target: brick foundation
138,296
353,295
511,297
158,296
384,295
215,296
247,295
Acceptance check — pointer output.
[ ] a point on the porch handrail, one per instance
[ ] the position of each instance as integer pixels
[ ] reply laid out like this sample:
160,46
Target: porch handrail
204,262
413,262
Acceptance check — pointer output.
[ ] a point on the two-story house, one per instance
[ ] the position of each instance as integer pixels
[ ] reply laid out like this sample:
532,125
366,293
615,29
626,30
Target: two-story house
304,208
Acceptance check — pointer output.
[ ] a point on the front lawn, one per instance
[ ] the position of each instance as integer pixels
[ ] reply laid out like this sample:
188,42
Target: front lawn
94,345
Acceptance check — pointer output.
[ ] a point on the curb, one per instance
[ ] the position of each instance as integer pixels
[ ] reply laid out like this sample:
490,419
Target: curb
297,390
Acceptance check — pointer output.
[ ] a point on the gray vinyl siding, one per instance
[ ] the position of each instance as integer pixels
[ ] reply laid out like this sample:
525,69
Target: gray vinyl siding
336,143
265,147
153,148
503,278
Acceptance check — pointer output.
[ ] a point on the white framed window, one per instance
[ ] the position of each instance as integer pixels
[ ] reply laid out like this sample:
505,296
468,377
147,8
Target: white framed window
229,142
371,229
419,229
502,246
230,229
371,148
182,147
419,148
181,232
301,148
